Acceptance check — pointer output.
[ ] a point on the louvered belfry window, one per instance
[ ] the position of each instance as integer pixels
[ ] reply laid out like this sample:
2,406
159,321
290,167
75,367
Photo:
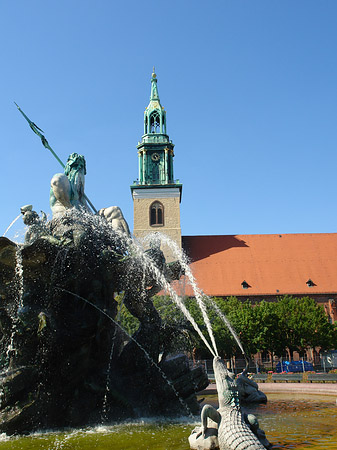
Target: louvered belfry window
154,123
156,214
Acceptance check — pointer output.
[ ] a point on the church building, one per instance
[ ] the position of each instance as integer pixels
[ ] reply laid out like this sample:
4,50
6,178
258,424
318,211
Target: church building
156,194
259,267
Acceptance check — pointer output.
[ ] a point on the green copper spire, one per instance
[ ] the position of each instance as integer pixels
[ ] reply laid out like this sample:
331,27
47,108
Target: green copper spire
155,154
155,150
154,88
155,115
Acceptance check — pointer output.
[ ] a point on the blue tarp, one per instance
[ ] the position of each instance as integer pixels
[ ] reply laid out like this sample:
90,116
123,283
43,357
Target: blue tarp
293,366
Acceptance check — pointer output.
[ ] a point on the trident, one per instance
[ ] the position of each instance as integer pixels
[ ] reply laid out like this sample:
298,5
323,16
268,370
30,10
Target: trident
45,143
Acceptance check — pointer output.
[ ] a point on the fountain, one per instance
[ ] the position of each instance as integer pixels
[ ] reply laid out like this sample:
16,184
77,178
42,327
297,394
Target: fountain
66,361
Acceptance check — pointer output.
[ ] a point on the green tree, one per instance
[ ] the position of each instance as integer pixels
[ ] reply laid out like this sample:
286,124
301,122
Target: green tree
304,324
124,317
268,333
290,323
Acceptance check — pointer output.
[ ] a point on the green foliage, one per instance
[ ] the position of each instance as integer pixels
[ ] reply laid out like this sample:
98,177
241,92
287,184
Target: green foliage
293,323
124,317
304,324
289,323
268,333
168,310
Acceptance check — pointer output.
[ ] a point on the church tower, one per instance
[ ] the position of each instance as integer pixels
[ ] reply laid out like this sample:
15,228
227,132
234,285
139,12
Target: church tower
156,195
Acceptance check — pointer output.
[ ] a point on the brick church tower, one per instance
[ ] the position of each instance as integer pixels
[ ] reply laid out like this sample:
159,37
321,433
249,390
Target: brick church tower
156,195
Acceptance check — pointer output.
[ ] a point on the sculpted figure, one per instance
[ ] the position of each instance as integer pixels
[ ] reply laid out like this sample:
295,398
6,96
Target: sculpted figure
67,189
227,428
249,390
37,225
115,218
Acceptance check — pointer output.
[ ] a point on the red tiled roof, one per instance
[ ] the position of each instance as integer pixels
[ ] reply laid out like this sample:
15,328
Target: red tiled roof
270,264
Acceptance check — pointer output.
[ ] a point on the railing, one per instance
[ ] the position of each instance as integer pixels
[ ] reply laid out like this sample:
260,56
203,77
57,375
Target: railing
154,137
265,371
137,183
295,377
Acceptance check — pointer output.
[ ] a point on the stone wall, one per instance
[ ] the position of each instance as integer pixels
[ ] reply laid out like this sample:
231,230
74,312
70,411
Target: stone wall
171,225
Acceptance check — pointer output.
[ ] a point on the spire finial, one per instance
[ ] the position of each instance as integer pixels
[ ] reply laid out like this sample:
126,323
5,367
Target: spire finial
154,73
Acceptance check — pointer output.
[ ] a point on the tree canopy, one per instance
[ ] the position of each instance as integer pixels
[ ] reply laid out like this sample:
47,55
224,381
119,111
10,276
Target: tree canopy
289,323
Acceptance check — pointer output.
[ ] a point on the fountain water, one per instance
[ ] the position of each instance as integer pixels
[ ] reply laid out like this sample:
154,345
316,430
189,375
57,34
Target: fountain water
62,366
201,297
146,354
11,224
181,257
160,279
19,276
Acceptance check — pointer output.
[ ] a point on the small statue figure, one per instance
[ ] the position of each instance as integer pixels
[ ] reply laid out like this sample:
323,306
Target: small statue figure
155,253
37,225
115,218
249,390
67,189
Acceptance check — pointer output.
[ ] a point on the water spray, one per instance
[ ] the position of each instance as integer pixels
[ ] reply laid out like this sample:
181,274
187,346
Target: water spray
162,373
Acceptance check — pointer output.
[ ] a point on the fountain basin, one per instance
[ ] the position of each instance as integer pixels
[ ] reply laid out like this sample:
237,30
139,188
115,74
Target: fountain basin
290,421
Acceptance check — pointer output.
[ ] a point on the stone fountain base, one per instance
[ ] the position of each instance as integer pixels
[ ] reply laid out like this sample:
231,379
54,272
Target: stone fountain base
65,363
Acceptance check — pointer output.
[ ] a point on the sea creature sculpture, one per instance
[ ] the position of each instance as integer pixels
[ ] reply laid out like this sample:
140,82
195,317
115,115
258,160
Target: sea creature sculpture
36,224
249,390
232,429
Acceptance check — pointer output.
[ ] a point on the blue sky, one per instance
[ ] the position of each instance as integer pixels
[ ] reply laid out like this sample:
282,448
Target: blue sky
250,93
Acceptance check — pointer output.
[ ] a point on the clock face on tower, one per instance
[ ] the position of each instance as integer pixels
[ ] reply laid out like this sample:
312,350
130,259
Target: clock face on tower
155,157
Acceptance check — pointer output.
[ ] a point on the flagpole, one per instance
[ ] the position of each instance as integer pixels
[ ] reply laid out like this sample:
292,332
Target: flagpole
45,143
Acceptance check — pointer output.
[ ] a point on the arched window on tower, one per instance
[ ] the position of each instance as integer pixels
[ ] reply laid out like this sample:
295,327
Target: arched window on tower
154,122
156,214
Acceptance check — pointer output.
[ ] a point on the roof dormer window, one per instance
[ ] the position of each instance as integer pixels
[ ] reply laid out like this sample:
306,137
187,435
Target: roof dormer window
310,283
245,285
